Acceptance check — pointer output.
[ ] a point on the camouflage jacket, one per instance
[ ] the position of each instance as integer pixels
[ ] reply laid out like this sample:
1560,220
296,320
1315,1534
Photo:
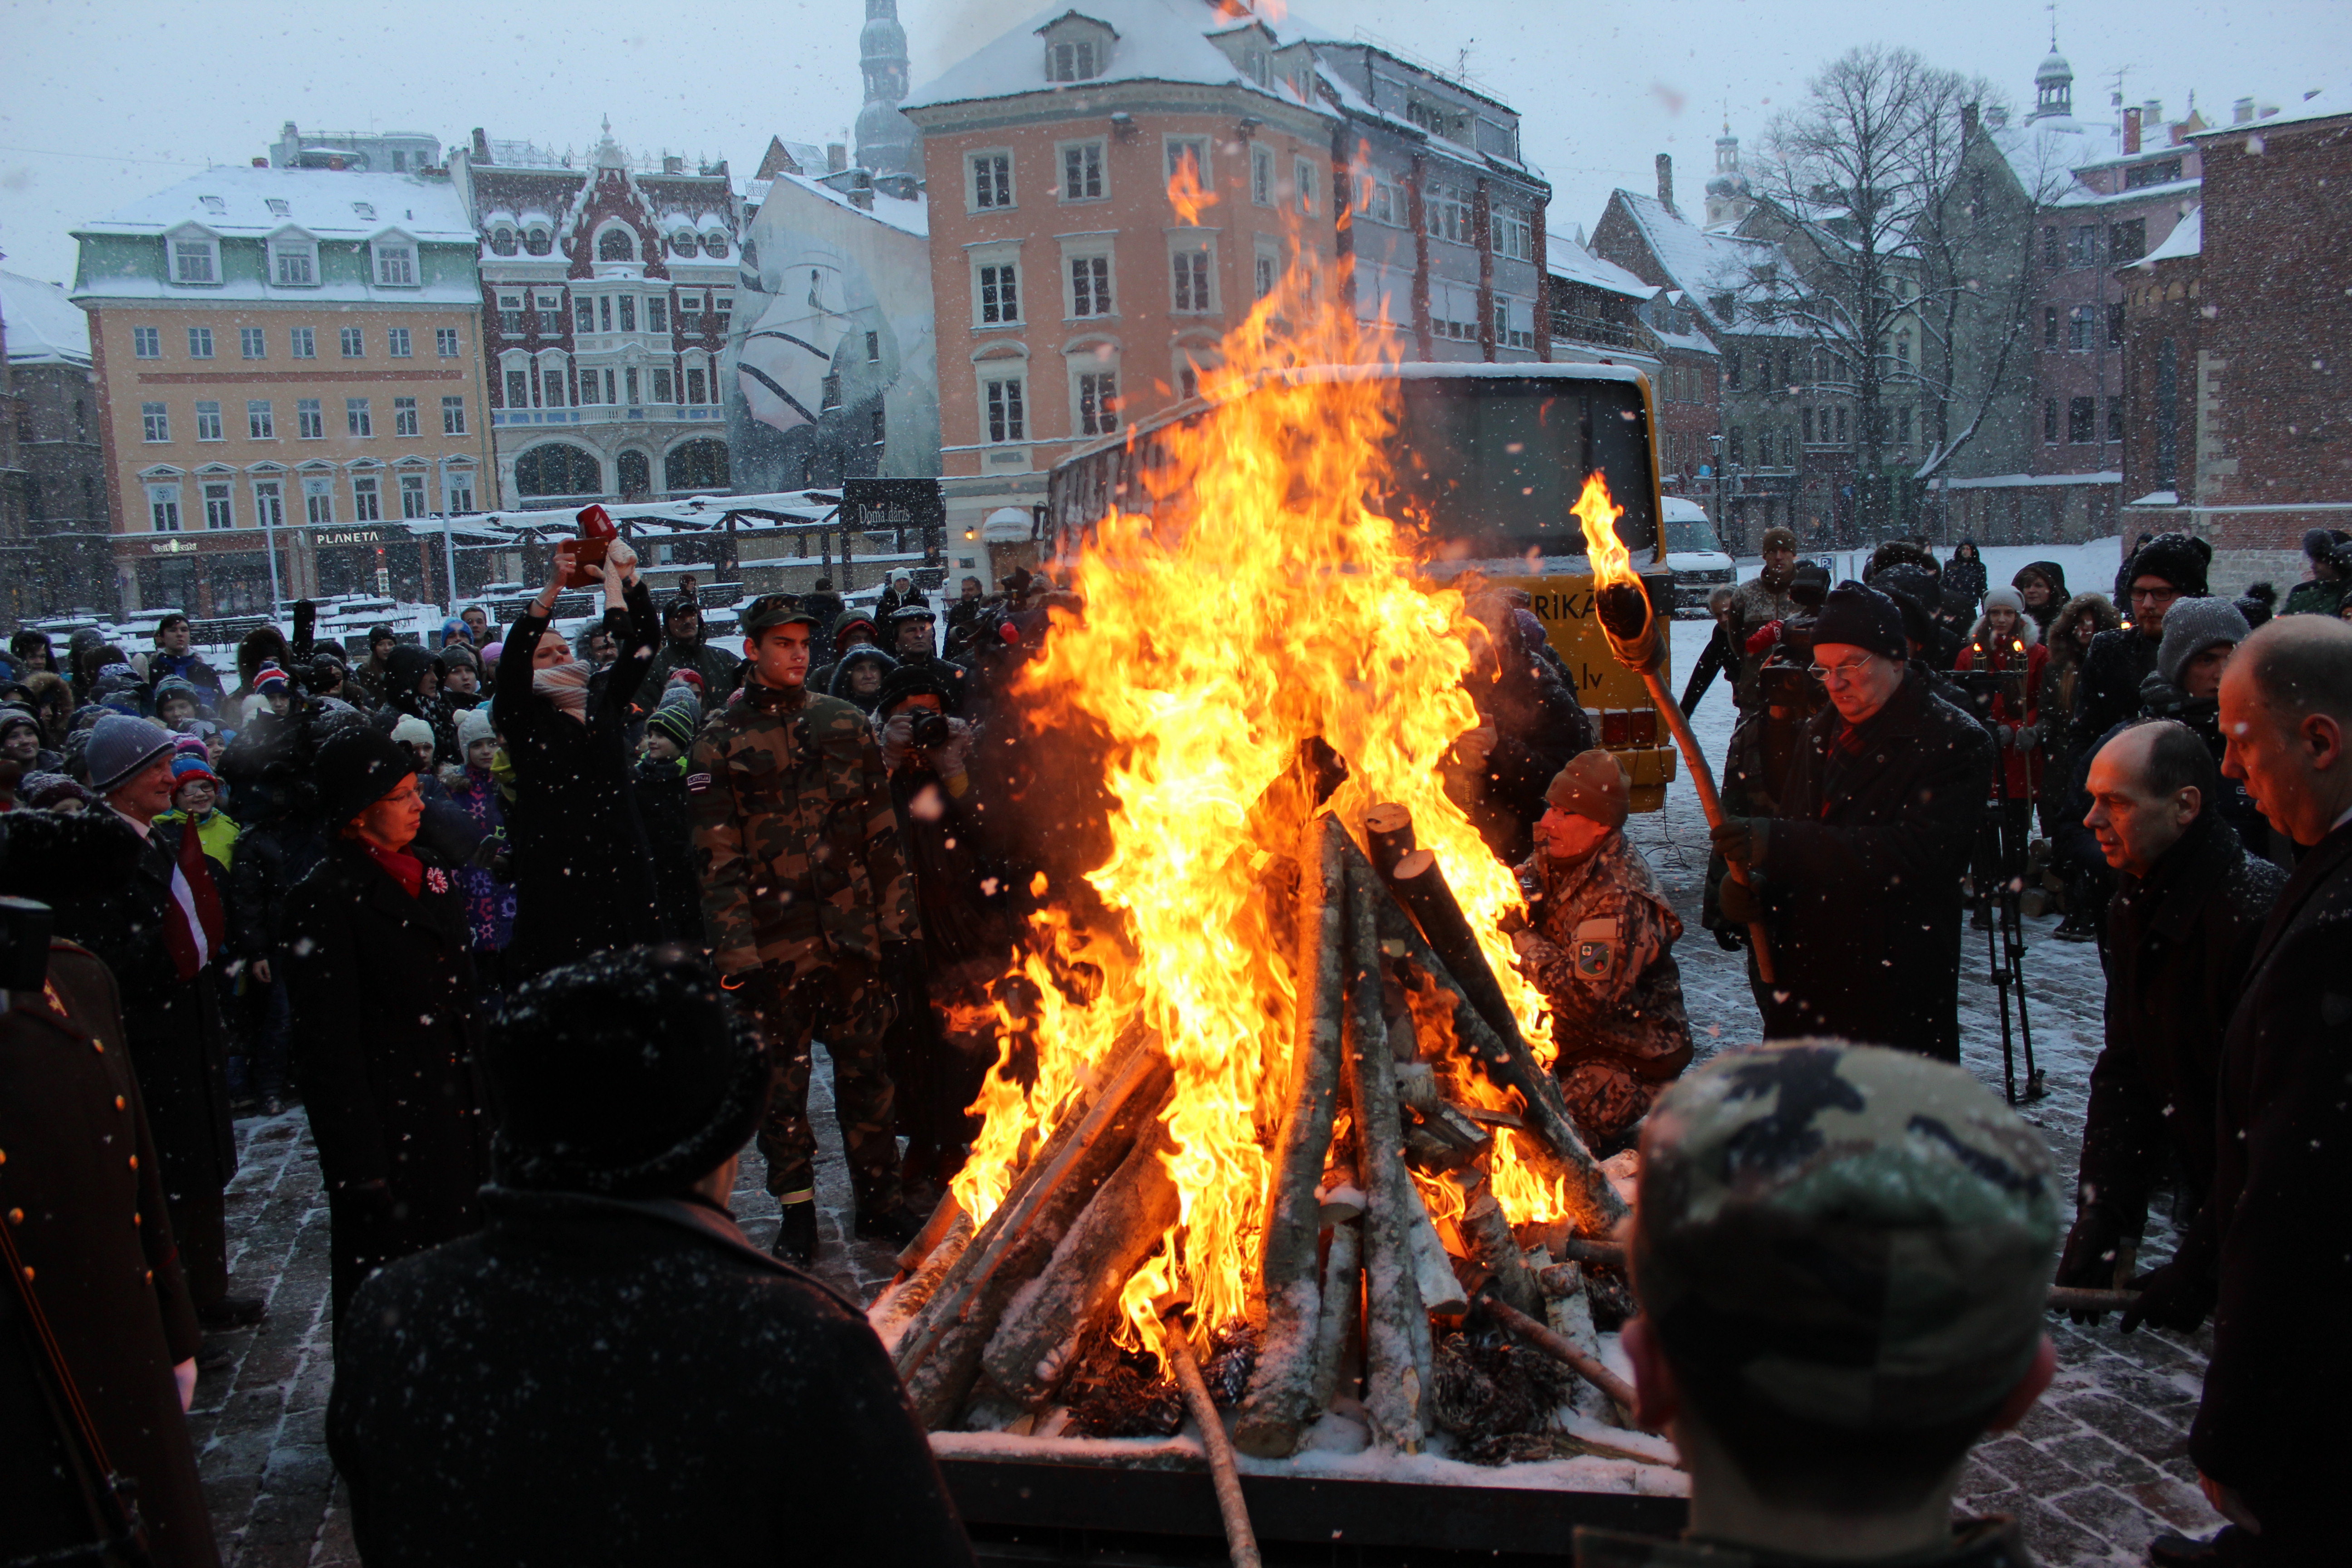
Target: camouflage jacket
1755,604
1976,1543
794,837
1601,953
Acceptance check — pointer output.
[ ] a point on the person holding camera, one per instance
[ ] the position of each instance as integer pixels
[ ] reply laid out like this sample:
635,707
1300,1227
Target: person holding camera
1853,870
804,890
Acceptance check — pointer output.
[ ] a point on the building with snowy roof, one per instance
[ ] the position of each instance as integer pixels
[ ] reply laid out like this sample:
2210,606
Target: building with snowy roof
55,549
288,360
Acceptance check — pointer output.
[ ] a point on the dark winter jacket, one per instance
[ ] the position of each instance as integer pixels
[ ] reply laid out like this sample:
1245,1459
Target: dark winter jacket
83,1190
2314,597
2275,1232
1872,830
111,892
592,1380
714,665
2178,946
668,816
161,666
1718,657
583,879
270,857
1964,576
382,989
1539,728
2107,691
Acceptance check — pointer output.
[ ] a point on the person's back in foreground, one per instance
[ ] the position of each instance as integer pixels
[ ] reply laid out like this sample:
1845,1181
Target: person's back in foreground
1842,1255
608,1372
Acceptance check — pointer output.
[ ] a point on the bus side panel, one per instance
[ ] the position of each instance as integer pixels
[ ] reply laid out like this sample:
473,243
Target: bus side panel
1564,605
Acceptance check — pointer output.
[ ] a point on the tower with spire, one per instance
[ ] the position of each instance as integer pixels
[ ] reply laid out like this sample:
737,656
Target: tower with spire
887,142
1729,197
2054,83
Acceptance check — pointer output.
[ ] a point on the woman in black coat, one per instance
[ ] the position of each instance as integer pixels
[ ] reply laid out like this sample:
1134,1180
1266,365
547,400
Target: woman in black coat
384,1036
582,871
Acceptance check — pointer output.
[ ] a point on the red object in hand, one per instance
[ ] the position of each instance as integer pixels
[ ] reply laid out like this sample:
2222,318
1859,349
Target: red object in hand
597,532
1763,637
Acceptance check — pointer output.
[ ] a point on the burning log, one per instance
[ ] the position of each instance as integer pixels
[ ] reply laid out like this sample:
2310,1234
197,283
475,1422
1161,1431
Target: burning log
1082,1280
1545,1339
1433,1269
1489,1232
1398,1346
1278,1406
1418,884
931,1268
935,1230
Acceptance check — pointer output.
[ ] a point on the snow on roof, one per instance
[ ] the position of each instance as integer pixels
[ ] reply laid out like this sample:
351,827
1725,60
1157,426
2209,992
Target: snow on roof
43,327
1703,263
1157,40
907,217
2022,481
2044,153
1566,258
2325,104
2187,239
2082,195
234,200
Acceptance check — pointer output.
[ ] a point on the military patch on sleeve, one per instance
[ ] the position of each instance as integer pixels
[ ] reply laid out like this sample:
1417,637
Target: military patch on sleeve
697,782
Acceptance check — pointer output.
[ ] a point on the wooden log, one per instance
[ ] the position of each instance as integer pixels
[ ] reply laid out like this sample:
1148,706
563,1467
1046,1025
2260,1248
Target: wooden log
1508,1062
1276,1409
911,1294
1388,833
1541,1336
1343,1301
1570,1314
1488,1233
1399,1351
1433,1268
1103,1247
1418,884
1241,1541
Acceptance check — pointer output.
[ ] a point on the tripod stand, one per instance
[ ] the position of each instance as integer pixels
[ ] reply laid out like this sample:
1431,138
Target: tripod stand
1998,879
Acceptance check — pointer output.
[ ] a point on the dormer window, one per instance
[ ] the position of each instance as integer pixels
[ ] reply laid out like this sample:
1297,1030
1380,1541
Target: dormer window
294,261
538,242
196,259
615,245
715,246
215,205
1077,47
682,243
502,241
1073,61
276,207
365,209
395,264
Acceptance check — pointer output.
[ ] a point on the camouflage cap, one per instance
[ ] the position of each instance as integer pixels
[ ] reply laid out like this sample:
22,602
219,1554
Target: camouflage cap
1856,1236
772,610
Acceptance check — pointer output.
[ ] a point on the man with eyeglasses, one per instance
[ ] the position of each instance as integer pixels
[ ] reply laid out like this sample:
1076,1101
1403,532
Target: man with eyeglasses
1857,871
2167,568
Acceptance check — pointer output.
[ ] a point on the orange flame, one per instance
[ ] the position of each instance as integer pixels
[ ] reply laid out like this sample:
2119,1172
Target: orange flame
1185,191
1612,562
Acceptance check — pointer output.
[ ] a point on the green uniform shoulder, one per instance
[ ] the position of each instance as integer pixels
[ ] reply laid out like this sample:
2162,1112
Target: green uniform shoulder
830,717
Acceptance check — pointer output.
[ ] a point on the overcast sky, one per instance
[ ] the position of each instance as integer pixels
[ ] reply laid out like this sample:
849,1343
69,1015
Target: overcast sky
104,101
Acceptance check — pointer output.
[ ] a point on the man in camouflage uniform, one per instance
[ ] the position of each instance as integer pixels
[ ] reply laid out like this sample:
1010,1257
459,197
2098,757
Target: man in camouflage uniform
802,885
1842,1256
1601,951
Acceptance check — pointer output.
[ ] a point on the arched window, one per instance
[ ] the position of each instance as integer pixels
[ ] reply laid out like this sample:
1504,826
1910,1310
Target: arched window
502,241
715,245
557,469
616,244
538,242
636,472
697,466
682,242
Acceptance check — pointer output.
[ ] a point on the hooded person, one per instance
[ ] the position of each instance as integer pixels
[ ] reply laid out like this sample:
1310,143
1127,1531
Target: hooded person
641,1366
1600,948
2322,593
369,677
663,803
858,678
898,594
1964,574
850,628
383,997
2006,643
22,742
2042,585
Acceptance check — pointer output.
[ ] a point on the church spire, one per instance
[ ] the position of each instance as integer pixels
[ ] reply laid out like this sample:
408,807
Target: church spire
887,142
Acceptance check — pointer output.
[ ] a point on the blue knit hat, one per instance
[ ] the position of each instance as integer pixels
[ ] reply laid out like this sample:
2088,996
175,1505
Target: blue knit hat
119,745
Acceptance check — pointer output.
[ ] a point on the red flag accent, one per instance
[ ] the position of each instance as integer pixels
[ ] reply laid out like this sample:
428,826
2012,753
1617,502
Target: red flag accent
193,926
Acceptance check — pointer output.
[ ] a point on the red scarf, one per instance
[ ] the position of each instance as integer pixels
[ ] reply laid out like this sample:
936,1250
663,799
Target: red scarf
193,925
400,865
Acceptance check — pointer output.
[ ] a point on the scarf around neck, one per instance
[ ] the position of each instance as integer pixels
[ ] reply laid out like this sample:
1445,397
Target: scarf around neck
566,686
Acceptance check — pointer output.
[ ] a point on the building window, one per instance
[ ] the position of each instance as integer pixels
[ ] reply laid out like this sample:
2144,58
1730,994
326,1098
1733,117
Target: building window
2082,323
268,504
715,246
146,343
453,416
1447,210
302,342
2162,173
444,342
628,312
457,491
1192,149
616,244
156,421
724,305
873,348
219,511
1841,422
2081,419
357,420
657,315
412,495
2050,420
1809,426
538,242
1097,403
260,422
1192,279
1268,271
319,501
552,380
1302,173
605,312
631,377
2127,241
583,315
1515,234
252,343
2115,418
366,504
2049,246
163,508
1005,422
1082,172
2115,325
881,424
403,417
662,387
396,343
354,343
200,342
1262,176
502,241
209,422
1739,445
1071,61
396,266
1091,285
549,313
1000,294
689,312
2049,326
991,180
518,388
510,315
294,263
195,261
310,419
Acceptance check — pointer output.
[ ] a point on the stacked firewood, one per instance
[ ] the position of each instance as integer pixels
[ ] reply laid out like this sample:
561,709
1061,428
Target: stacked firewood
1367,1304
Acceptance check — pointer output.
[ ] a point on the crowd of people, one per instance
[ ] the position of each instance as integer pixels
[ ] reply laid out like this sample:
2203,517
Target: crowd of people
542,926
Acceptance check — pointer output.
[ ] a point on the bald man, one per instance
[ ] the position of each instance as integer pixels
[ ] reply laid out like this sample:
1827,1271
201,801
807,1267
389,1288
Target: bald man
2188,907
2271,1250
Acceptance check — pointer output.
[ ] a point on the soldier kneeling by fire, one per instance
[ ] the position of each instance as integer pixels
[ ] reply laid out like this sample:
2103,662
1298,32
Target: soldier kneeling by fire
1599,945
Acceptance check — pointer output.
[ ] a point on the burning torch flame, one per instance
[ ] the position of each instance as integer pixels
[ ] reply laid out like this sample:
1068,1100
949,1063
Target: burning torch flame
1185,191
1612,562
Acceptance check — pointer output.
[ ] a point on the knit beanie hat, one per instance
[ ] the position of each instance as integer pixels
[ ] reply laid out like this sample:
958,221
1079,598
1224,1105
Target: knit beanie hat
2193,626
2180,559
1864,618
43,792
1777,539
2007,599
474,724
12,717
119,745
270,680
359,767
625,1074
1594,785
679,717
186,768
412,731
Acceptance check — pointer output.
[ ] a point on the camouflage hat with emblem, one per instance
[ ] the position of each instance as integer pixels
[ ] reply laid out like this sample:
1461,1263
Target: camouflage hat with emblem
1860,1237
772,610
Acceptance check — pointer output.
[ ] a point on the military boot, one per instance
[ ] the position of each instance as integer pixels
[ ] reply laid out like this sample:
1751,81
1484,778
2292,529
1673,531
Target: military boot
796,1234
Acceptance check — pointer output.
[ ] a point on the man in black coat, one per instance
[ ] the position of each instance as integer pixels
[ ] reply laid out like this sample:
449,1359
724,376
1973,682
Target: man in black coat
88,1223
2187,910
2270,1252
608,1372
2169,567
1530,726
1857,870
382,993
130,889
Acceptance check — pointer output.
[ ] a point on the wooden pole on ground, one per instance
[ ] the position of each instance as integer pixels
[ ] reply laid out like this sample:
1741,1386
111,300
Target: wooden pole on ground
1241,1539
1542,1337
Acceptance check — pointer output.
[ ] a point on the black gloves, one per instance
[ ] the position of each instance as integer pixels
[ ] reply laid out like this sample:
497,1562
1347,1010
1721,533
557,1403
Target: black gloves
1742,840
2172,1297
2093,1249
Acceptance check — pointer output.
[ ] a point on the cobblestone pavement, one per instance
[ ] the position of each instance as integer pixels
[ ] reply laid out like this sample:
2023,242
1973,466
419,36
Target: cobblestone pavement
2097,1468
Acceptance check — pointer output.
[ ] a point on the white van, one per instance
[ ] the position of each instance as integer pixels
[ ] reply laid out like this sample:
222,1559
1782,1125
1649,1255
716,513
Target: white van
1693,554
